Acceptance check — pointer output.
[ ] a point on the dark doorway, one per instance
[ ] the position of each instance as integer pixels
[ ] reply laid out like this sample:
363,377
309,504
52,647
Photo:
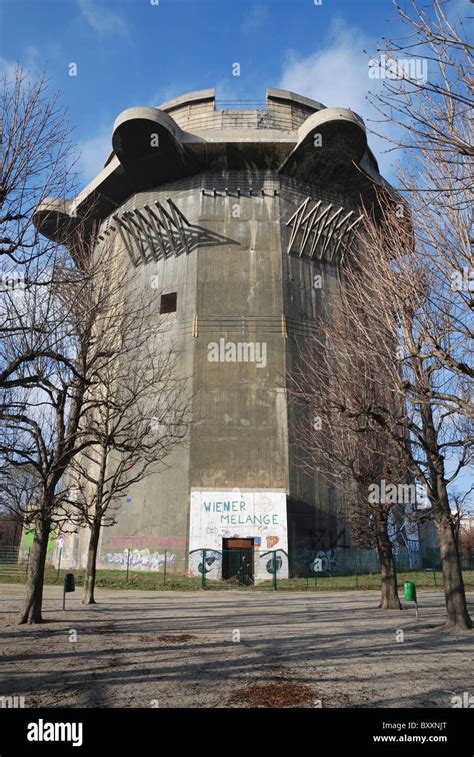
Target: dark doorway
237,561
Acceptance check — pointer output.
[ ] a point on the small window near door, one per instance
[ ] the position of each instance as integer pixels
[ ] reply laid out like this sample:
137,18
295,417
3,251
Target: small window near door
168,303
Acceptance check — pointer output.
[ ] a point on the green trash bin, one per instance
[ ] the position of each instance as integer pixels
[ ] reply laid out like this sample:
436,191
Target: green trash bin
410,591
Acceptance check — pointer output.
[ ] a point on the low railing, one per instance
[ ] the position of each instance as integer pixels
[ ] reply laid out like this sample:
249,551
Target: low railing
238,119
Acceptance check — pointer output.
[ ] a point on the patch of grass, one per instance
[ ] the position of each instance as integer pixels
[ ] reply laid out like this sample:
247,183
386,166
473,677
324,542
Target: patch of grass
423,579
152,581
106,579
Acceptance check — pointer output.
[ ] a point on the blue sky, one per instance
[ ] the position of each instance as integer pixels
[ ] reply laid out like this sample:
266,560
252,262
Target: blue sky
135,52
132,52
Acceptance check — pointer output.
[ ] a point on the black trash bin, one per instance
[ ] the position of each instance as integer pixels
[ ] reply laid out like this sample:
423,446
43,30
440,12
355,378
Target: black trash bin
69,585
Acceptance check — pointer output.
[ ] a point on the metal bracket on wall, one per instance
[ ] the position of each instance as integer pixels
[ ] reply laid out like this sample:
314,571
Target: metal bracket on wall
155,232
321,234
238,192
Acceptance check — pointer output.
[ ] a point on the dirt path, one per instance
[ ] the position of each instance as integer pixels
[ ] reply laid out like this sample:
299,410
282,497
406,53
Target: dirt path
177,649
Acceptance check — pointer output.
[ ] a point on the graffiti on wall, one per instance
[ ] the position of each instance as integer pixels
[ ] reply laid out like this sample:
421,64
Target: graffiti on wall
325,561
272,540
246,514
139,559
267,561
327,539
212,565
232,513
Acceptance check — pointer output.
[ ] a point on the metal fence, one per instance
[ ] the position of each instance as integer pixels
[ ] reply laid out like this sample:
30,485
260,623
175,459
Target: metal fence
243,568
303,568
13,567
248,567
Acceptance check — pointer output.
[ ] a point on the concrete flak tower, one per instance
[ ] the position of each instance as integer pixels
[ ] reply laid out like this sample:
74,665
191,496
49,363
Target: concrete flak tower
236,212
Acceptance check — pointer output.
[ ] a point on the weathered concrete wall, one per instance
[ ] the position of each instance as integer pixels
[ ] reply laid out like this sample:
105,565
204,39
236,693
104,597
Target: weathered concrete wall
316,515
239,439
243,304
246,291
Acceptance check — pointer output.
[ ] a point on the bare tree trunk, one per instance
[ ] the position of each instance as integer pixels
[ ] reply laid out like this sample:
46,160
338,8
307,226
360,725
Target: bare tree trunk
389,598
31,611
454,593
89,581
458,615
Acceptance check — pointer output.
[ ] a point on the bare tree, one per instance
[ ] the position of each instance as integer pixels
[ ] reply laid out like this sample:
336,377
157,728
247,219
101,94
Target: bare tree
36,162
18,490
62,329
331,386
414,276
461,510
139,414
48,395
466,535
386,302
427,94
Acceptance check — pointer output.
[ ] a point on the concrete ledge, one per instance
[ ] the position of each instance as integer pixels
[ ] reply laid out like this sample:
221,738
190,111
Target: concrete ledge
134,133
343,136
53,216
200,95
145,113
136,164
292,97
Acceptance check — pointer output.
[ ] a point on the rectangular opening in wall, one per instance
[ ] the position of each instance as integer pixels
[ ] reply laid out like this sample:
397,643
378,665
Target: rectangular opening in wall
237,561
168,303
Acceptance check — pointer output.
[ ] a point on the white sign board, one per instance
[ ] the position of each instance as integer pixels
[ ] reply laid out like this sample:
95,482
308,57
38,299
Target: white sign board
257,515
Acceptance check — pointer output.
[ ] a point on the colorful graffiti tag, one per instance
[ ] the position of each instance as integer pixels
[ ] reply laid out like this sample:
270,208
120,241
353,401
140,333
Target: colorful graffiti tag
28,538
272,540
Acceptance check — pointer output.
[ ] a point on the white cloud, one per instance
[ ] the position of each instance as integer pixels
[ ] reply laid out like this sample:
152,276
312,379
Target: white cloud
255,20
28,63
93,153
337,75
167,93
8,68
100,19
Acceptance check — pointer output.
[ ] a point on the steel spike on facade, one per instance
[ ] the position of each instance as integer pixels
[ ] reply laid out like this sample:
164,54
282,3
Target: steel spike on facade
320,234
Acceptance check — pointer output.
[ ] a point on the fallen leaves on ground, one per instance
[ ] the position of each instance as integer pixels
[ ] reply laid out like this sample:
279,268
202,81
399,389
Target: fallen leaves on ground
278,694
169,639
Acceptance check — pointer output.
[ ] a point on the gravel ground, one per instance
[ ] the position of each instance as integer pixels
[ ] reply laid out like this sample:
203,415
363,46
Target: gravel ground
177,649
